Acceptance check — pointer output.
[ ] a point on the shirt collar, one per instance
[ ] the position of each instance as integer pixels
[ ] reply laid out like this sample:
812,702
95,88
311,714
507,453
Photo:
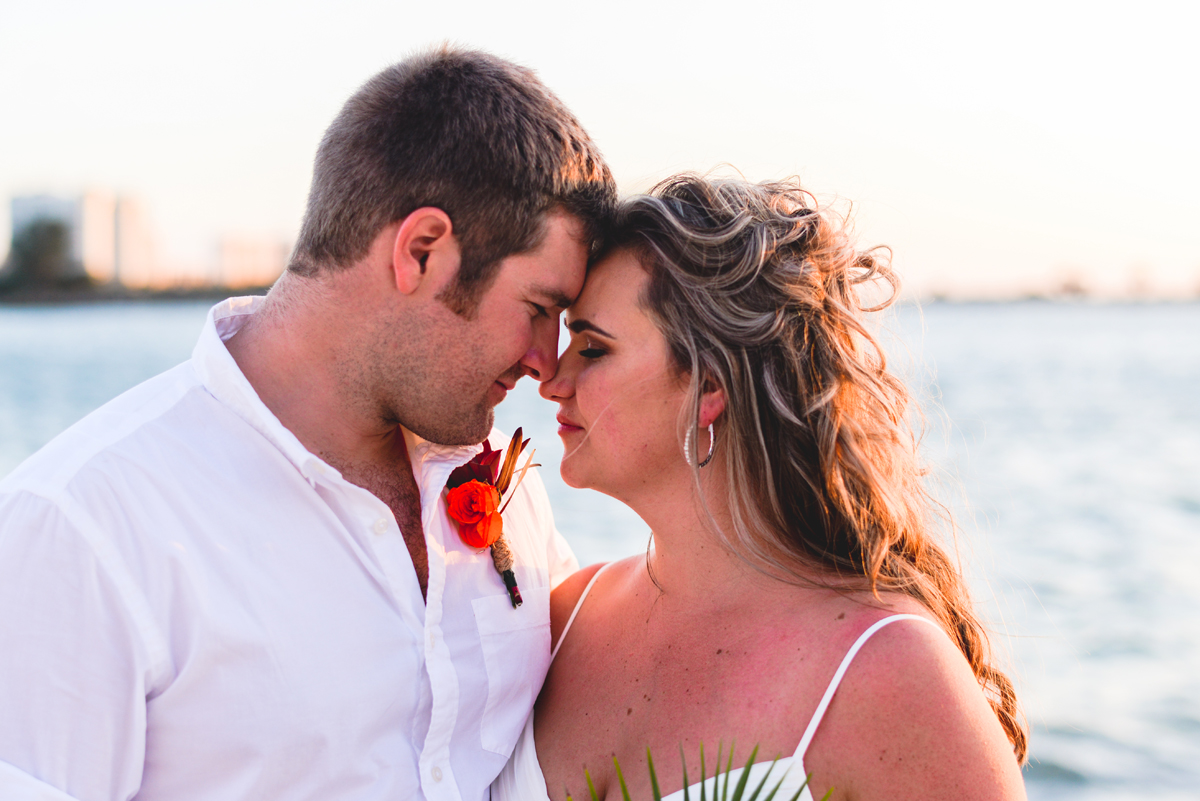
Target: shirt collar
222,377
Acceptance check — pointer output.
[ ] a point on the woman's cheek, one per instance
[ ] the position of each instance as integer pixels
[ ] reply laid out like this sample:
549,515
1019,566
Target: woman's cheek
590,393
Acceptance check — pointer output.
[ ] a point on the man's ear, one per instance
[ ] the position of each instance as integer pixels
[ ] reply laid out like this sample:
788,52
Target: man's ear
712,404
425,250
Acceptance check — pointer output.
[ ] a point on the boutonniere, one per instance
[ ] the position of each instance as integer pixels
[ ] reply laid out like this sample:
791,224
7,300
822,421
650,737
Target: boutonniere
479,492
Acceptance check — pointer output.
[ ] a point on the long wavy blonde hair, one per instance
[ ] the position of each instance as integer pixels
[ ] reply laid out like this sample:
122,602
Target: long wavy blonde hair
759,291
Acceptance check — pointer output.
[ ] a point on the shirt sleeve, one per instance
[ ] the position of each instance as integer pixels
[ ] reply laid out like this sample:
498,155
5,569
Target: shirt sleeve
75,667
16,785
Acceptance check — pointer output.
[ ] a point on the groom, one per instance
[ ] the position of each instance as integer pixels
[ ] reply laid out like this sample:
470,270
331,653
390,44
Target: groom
238,580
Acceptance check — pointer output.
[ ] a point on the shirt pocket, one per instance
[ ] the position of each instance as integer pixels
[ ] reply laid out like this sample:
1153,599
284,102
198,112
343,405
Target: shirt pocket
516,656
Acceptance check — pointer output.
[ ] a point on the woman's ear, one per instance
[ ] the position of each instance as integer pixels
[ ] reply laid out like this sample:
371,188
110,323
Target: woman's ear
712,403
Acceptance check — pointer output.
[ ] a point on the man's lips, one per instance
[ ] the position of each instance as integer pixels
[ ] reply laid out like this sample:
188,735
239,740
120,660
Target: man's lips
510,378
500,391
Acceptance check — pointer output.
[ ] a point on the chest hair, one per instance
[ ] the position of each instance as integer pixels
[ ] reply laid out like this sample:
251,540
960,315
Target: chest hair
395,485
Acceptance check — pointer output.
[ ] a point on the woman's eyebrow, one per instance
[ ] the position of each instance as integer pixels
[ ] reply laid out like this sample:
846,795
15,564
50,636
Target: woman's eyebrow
579,325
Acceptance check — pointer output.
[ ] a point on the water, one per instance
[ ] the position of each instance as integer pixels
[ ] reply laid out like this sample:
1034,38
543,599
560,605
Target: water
1073,432
1065,437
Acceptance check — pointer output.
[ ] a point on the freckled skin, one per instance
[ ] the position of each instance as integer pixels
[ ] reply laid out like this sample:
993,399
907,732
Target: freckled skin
709,650
683,689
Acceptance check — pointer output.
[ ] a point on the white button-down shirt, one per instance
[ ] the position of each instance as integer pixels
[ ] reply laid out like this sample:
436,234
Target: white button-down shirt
193,606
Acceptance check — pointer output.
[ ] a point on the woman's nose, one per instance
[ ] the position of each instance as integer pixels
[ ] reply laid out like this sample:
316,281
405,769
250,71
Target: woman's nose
561,384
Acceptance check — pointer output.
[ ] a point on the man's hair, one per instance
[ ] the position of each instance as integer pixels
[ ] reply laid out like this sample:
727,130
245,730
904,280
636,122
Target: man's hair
466,132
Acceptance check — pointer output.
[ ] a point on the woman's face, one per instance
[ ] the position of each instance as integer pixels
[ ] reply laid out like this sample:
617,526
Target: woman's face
618,391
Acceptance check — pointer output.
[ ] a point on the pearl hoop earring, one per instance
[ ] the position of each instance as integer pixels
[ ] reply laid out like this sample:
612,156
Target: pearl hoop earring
712,441
687,447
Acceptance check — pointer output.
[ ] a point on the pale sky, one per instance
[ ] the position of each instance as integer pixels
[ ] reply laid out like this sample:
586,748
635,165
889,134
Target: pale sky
993,146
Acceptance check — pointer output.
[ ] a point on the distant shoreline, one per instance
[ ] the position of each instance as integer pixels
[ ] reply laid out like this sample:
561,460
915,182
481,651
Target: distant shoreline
83,295
66,296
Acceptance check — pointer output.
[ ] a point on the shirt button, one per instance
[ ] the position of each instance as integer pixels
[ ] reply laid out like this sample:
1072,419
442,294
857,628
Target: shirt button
437,773
432,639
380,526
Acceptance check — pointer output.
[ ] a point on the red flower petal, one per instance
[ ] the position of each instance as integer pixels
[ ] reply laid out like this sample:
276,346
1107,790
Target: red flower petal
470,503
484,533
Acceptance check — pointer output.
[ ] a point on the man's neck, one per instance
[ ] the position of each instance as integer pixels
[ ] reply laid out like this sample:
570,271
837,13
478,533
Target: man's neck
296,363
309,372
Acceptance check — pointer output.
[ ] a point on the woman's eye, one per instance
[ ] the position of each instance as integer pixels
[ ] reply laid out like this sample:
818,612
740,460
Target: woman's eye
591,353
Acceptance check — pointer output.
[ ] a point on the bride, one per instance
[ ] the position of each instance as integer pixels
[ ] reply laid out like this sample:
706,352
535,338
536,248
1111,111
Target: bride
720,381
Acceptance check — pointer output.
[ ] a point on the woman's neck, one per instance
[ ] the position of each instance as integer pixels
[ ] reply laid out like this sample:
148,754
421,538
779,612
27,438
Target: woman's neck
690,560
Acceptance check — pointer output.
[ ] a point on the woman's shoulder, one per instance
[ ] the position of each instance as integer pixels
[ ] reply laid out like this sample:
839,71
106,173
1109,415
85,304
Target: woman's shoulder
829,620
909,705
565,597
893,651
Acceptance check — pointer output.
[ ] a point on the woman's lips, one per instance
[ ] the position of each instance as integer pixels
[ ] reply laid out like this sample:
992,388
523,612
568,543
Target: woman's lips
565,426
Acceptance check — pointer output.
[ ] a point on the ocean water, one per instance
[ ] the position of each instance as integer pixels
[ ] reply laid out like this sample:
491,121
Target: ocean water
1064,437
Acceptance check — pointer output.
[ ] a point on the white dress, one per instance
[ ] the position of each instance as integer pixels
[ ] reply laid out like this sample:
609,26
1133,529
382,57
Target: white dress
522,778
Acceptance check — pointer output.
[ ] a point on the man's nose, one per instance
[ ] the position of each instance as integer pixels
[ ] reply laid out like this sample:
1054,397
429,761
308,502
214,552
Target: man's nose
541,360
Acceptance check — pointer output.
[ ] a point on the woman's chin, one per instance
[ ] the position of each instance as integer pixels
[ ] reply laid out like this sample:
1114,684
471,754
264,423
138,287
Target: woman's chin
575,473
569,476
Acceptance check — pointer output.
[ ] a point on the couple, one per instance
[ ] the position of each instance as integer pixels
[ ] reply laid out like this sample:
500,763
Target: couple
239,580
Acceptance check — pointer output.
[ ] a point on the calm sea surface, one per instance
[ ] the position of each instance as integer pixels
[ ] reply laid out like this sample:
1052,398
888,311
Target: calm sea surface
1065,437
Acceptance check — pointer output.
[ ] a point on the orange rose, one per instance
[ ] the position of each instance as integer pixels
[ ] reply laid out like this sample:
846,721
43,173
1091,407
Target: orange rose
484,533
473,505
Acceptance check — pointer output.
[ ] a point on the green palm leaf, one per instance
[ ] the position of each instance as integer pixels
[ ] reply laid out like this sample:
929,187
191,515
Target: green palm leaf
621,779
653,777
745,777
720,789
683,761
728,769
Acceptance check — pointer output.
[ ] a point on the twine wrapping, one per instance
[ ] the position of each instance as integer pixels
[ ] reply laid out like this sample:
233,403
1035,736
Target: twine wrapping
503,560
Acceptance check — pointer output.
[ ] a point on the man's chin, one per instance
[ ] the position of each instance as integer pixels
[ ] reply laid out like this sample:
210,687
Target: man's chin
470,428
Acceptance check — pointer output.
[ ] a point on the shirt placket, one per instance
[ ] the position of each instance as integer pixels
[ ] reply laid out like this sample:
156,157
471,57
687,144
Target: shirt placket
432,465
377,539
437,779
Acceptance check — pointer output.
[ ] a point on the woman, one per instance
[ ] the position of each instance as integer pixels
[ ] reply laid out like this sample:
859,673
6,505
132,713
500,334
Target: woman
720,381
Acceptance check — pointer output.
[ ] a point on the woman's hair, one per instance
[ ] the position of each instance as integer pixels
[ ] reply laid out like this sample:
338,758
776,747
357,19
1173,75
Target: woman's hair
757,291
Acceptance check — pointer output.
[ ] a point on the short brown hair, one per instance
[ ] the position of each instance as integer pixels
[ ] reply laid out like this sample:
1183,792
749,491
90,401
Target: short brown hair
464,131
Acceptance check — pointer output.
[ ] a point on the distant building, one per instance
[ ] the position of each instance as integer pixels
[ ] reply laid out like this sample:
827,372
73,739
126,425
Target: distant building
250,261
107,238
136,259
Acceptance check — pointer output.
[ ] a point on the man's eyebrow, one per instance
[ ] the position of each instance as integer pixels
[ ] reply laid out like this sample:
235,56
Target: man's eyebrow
556,296
579,325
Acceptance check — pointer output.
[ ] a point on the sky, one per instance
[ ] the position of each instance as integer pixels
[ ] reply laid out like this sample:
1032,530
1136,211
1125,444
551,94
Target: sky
998,148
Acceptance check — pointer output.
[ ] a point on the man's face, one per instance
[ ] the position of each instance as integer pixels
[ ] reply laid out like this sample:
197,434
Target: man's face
468,366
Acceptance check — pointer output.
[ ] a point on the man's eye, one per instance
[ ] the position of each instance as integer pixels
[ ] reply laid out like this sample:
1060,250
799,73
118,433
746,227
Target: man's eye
539,311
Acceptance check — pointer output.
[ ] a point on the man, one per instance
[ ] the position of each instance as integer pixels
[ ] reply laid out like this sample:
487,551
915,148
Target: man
238,580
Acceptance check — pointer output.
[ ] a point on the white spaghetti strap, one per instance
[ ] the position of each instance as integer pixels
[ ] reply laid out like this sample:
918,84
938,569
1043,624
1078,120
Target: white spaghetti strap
811,731
575,611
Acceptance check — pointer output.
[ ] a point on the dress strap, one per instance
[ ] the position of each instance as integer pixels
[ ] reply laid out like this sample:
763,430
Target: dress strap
811,731
575,611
